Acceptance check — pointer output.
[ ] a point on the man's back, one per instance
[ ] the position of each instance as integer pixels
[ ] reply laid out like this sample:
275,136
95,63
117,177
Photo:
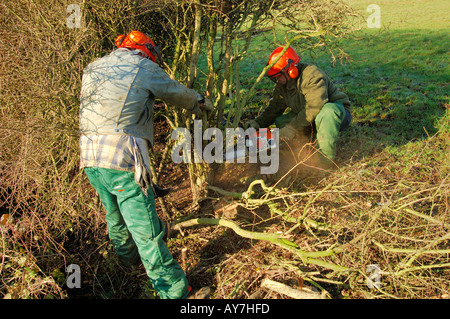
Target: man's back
118,93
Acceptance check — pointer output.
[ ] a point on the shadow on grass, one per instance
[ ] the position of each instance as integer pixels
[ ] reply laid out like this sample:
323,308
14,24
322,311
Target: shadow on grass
398,83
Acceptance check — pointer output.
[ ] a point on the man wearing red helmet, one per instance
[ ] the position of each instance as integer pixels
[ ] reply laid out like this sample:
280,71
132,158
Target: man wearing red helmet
312,98
116,126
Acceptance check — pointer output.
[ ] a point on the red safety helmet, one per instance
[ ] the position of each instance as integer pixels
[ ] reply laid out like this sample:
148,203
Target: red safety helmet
140,41
287,62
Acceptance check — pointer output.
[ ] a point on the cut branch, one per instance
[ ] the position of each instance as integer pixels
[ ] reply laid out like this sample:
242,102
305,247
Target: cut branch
305,293
275,238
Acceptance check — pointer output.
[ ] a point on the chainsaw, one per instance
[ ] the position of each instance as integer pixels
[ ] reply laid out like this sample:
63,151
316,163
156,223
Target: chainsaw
254,143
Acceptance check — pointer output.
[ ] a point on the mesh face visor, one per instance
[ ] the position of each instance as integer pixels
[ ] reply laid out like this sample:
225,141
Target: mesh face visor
154,50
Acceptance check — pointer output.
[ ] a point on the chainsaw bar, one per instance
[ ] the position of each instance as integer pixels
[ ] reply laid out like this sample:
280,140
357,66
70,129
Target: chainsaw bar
262,140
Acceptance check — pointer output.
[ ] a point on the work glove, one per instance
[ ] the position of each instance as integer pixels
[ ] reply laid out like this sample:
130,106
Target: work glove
206,105
197,111
287,133
253,124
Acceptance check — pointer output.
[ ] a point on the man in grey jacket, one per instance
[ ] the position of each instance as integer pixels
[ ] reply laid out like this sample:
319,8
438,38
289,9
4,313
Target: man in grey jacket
116,126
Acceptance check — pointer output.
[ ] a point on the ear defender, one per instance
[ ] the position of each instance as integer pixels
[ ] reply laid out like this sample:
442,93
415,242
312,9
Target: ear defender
293,72
292,69
119,40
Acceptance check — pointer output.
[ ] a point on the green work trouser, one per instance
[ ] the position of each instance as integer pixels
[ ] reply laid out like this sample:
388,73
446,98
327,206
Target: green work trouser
136,231
332,119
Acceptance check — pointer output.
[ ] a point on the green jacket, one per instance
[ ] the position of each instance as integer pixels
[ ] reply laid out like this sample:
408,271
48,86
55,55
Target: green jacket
304,95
